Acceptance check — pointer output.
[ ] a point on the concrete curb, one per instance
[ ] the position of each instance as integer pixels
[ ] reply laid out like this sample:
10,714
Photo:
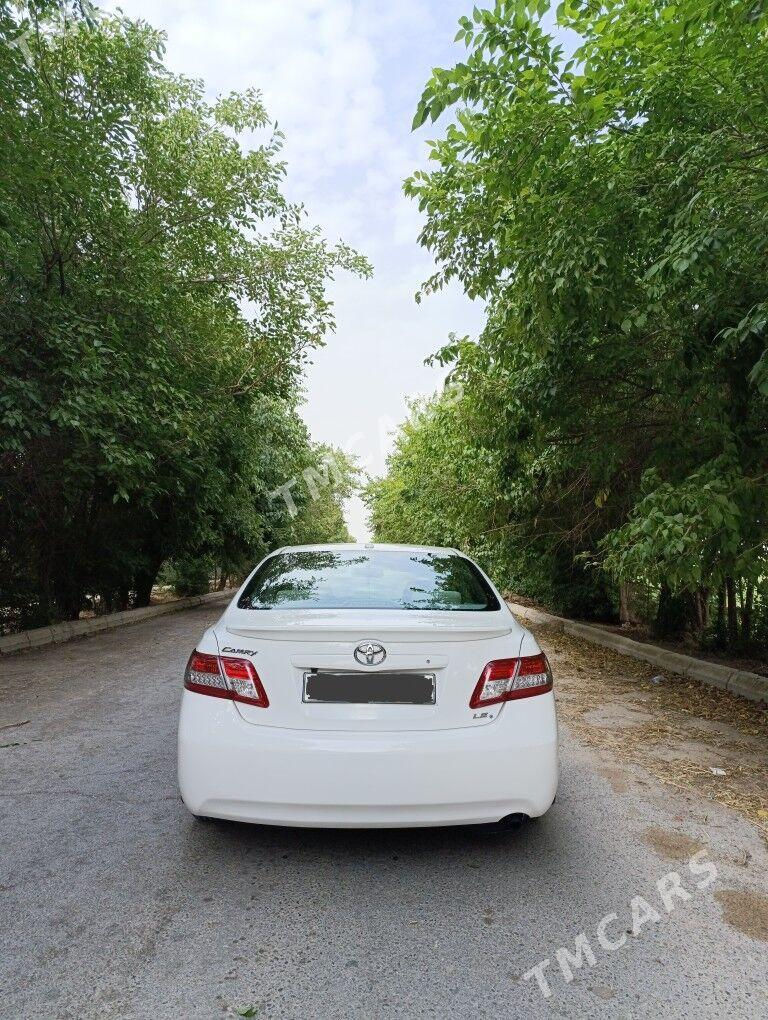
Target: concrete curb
736,681
59,632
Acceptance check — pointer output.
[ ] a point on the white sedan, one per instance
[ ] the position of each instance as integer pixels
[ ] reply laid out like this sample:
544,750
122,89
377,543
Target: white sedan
355,686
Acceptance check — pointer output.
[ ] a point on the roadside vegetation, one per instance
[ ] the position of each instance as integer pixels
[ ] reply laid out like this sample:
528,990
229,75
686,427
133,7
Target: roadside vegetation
603,447
159,300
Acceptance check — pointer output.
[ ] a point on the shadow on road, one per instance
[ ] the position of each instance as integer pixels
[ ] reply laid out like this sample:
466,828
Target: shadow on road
367,843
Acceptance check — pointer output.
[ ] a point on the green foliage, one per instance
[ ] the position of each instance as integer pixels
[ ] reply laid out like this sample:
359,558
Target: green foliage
320,487
330,479
143,413
191,576
611,208
690,534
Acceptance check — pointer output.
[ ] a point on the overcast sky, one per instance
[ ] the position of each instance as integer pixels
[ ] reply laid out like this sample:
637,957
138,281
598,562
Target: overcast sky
342,78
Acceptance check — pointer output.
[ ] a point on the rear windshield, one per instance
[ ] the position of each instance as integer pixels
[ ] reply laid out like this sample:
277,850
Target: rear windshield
375,579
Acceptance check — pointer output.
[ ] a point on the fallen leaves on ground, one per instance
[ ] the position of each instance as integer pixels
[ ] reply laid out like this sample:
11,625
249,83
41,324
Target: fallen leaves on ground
694,732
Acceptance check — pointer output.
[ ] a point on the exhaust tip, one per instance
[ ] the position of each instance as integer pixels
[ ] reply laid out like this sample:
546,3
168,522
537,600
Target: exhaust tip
505,825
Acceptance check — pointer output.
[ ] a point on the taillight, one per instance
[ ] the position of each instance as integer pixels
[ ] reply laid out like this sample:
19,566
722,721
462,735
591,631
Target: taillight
225,677
510,679
244,682
204,676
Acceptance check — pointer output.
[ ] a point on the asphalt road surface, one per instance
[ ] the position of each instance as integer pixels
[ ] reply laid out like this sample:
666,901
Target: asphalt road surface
115,902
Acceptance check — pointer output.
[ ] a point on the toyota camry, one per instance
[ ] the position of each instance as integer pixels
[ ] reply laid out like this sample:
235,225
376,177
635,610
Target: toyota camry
367,686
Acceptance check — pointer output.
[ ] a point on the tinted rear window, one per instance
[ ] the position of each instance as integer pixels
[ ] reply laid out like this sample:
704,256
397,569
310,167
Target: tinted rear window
375,579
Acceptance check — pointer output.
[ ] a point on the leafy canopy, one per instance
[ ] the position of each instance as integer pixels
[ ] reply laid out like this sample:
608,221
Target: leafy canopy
160,298
603,189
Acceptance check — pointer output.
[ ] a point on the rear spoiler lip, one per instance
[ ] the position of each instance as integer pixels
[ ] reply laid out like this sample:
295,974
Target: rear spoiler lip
350,624
414,634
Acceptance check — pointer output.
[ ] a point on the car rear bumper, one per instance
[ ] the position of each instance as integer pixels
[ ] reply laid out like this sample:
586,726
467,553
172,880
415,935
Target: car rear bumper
229,768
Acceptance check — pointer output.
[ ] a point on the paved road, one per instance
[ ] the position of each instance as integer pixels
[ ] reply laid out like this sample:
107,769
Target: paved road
114,902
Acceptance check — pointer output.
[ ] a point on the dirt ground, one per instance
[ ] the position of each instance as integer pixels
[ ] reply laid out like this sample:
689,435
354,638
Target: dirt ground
685,734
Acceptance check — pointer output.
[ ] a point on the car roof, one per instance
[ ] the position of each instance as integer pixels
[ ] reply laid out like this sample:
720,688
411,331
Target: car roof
336,546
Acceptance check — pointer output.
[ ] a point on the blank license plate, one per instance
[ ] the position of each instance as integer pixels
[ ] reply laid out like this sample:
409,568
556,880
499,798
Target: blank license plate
370,688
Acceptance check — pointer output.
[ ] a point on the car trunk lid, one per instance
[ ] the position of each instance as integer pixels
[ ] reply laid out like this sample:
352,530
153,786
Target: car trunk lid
288,646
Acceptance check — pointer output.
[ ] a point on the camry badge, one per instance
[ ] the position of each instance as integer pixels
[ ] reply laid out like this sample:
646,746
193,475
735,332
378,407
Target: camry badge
370,653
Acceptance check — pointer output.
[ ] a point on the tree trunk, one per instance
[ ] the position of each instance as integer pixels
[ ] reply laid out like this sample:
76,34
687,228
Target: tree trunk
627,612
69,602
733,616
675,615
67,588
144,582
746,614
701,601
720,631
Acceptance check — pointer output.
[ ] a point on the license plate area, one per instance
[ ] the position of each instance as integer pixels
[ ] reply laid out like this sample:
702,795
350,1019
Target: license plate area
329,687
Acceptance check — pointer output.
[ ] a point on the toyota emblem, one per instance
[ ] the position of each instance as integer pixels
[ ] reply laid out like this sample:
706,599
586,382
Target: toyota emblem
370,653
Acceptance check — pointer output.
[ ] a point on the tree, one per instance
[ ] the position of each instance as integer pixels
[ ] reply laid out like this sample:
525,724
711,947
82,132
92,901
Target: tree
140,400
611,209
